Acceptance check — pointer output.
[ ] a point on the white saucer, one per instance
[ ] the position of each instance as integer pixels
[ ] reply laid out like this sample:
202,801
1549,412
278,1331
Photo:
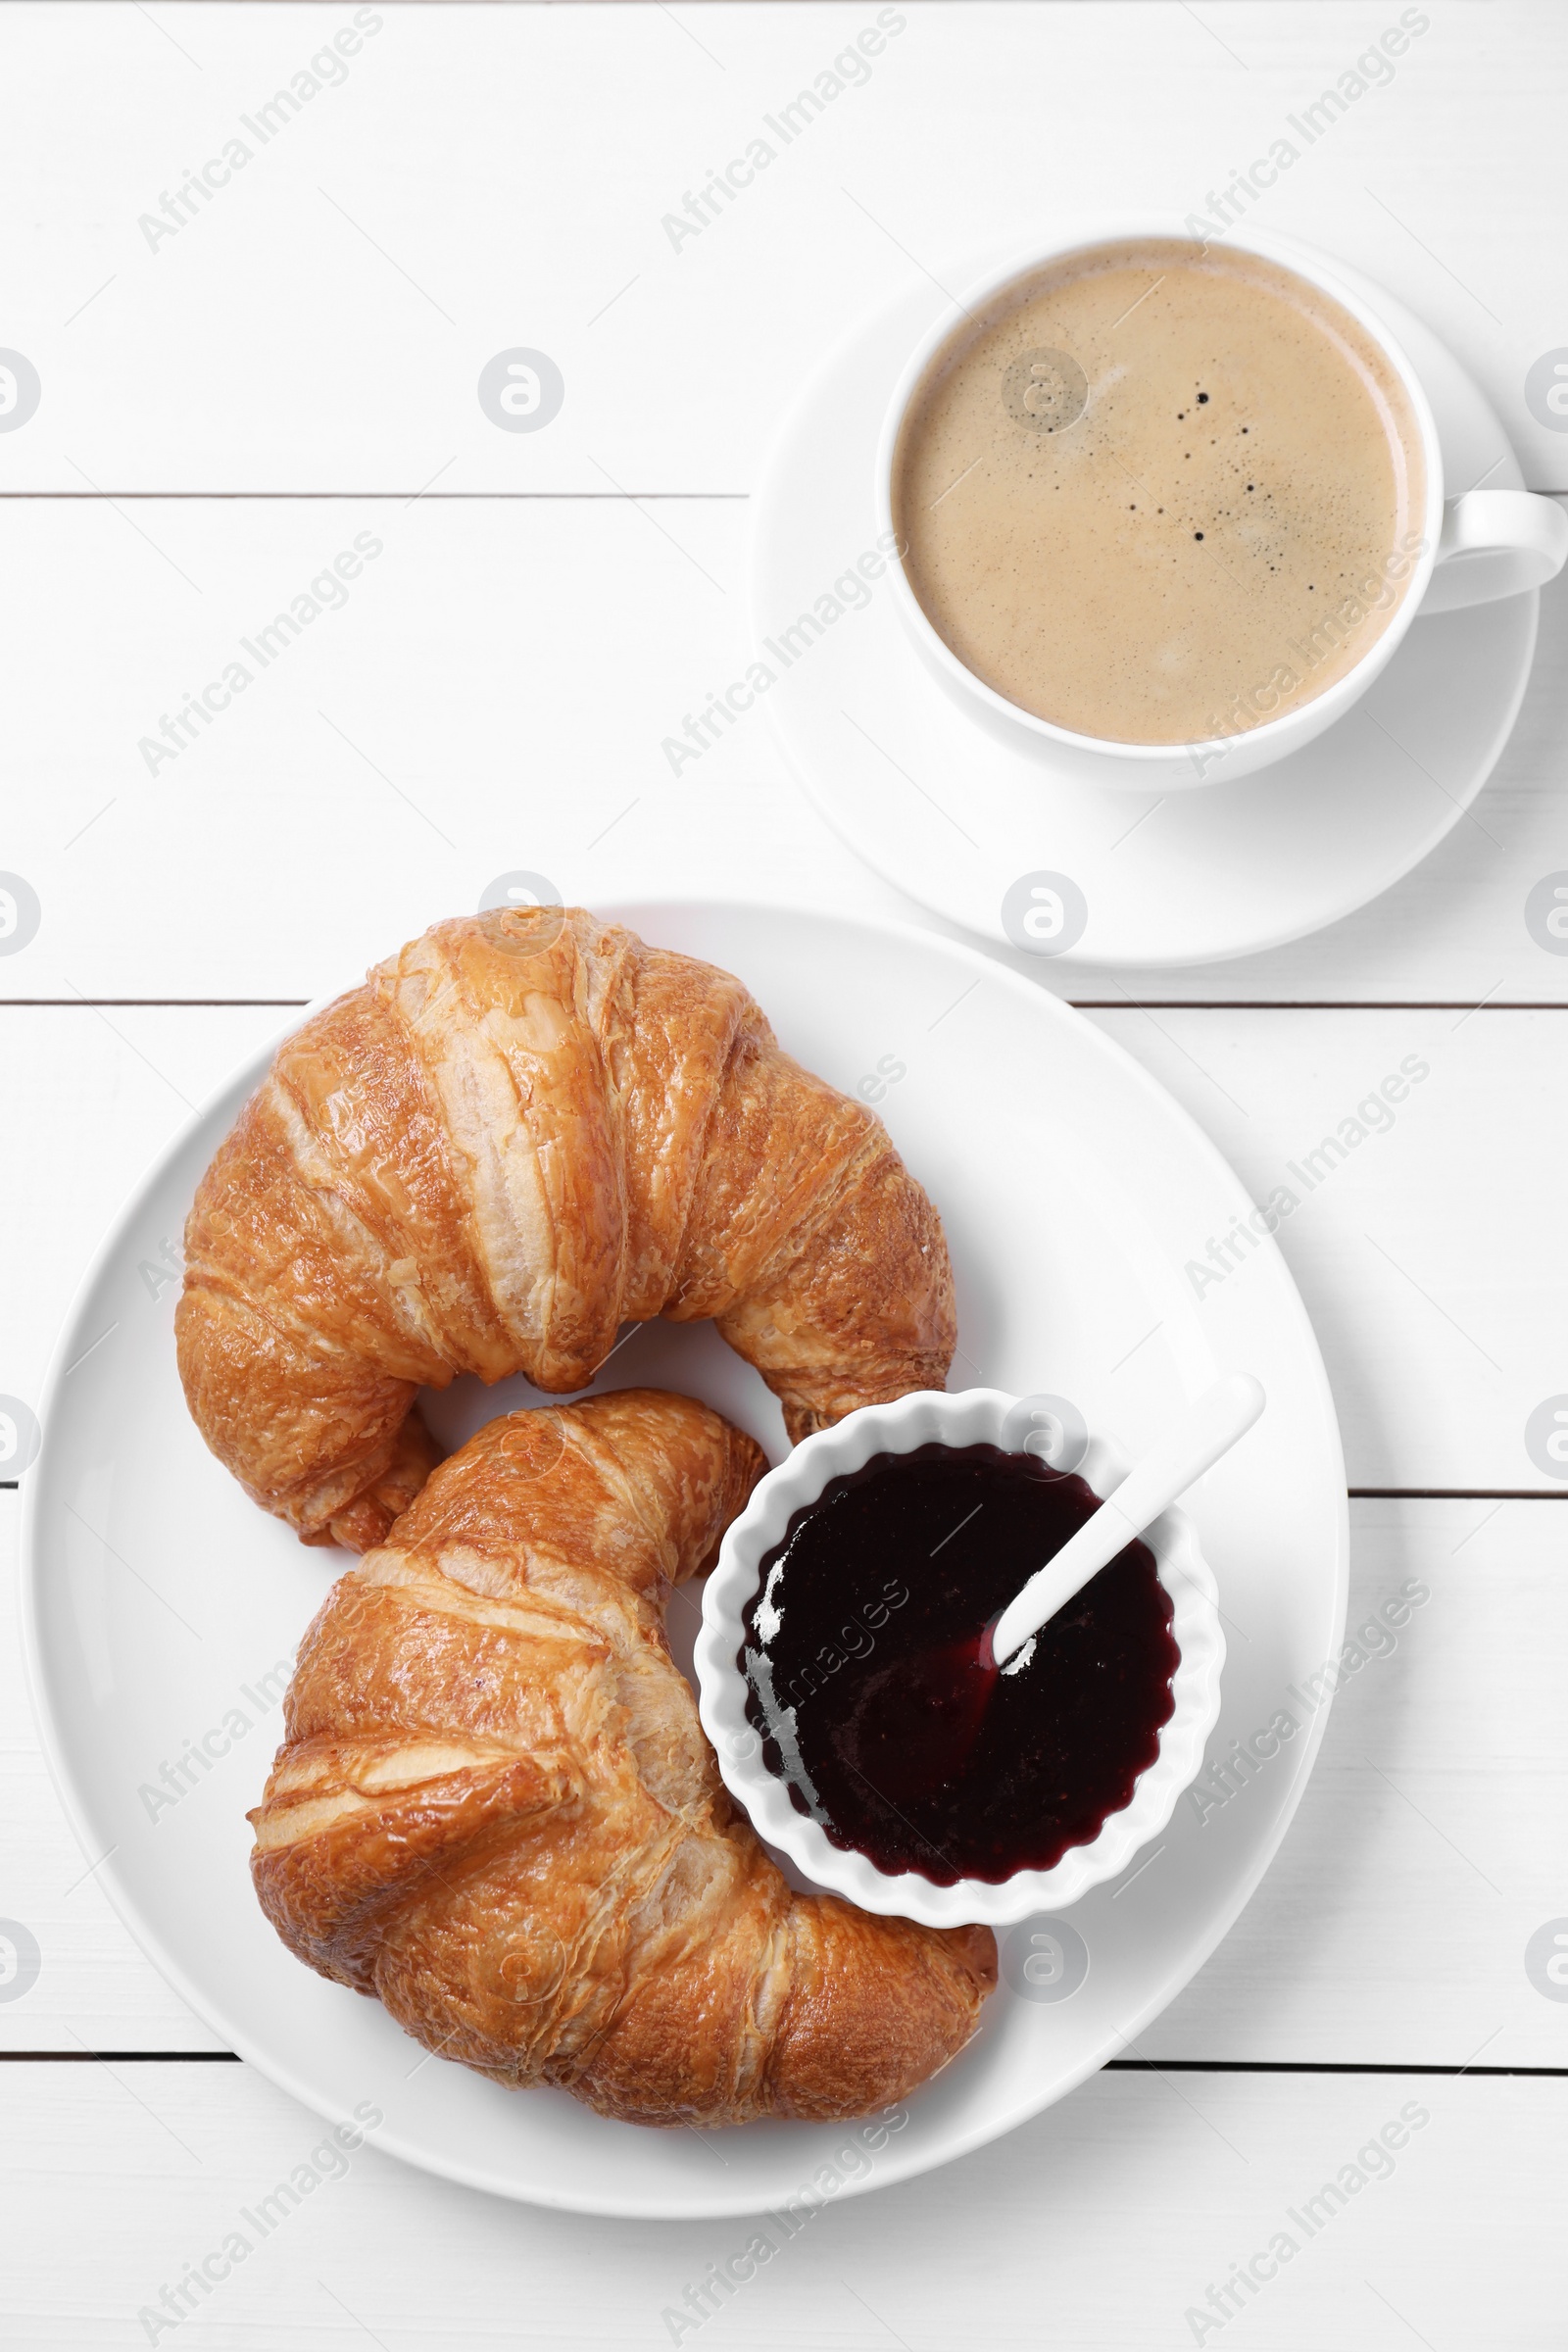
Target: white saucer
160,1605
954,818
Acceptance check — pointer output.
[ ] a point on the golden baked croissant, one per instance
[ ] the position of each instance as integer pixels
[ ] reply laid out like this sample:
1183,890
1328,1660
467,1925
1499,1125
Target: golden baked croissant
496,1810
524,1130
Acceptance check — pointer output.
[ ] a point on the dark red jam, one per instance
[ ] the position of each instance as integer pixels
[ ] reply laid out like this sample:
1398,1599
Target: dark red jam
869,1680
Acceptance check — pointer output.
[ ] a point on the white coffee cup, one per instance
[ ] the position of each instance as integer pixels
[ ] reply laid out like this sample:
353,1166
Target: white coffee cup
1474,547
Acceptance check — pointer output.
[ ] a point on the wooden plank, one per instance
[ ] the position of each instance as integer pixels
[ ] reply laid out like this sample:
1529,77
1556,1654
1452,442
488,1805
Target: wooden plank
493,690
1416,1236
1394,1924
1437,1353
321,314
100,1091
116,2182
1391,1930
490,693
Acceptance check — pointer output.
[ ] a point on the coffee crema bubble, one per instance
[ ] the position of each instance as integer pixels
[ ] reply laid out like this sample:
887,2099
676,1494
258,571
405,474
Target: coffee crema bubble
1158,493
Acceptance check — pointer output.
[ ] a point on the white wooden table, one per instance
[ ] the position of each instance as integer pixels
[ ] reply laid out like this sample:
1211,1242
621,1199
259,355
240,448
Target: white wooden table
229,403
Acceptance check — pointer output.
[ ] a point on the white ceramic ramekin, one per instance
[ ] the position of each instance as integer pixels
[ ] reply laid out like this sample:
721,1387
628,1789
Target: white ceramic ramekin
971,1417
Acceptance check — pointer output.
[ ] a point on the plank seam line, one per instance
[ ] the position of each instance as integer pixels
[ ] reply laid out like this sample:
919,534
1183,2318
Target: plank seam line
9,1486
301,497
1313,1004
1156,2066
613,498
1458,1494
168,1003
1078,1004
121,2057
1316,2066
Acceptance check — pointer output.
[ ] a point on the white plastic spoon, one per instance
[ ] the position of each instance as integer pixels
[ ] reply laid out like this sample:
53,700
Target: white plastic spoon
1209,1428
955,1702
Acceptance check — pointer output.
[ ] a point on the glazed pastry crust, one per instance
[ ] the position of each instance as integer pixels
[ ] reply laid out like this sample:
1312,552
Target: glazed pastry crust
495,1808
525,1130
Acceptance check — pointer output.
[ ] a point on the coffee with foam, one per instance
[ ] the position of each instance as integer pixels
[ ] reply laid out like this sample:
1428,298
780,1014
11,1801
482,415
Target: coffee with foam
1157,493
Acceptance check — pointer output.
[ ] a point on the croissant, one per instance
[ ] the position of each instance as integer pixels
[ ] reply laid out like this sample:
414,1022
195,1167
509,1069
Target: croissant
524,1130
495,1808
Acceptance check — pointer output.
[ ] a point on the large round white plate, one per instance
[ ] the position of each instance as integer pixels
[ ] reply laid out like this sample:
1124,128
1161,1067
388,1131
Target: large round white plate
953,815
161,1606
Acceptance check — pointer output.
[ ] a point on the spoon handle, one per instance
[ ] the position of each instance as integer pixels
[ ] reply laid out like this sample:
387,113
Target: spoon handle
1209,1428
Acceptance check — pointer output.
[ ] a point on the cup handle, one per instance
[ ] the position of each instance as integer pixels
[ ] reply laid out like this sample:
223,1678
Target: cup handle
1496,543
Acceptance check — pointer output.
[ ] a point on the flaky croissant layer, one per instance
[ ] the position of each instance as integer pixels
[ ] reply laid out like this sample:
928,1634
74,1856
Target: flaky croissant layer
496,1810
527,1129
